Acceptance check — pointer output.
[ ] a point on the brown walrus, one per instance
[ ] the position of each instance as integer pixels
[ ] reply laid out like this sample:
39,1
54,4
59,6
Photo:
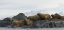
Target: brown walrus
34,18
56,16
28,21
18,23
44,16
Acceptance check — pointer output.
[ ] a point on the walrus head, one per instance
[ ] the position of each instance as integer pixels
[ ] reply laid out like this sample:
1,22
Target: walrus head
38,13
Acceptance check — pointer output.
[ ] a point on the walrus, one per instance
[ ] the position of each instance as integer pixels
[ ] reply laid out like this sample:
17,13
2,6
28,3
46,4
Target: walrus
56,16
44,16
62,17
34,18
28,21
18,23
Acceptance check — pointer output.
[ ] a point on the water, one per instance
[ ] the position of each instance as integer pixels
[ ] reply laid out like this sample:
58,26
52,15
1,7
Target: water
4,28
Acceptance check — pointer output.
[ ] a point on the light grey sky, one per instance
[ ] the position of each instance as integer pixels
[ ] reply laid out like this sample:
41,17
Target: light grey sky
13,7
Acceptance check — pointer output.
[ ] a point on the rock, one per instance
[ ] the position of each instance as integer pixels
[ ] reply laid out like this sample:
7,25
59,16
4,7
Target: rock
4,23
7,19
45,24
20,16
10,26
36,24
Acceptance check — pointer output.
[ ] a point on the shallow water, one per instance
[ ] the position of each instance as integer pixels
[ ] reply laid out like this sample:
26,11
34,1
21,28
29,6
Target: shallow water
4,28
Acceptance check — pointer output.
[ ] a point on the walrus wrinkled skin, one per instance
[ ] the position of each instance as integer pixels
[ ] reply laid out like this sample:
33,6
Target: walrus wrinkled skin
18,23
34,18
44,16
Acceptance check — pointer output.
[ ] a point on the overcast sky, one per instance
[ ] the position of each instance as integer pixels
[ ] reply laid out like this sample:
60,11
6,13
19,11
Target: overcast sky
13,7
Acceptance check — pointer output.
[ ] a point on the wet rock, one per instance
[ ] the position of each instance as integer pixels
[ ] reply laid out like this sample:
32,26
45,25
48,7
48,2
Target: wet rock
4,23
37,24
46,24
10,26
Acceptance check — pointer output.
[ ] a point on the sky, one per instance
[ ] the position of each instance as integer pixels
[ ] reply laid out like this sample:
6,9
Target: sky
13,7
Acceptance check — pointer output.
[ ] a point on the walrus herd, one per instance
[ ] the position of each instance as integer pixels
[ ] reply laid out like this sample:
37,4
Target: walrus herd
38,16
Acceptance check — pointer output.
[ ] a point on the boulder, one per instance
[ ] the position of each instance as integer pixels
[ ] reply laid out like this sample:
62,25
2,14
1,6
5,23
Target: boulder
4,23
20,16
7,19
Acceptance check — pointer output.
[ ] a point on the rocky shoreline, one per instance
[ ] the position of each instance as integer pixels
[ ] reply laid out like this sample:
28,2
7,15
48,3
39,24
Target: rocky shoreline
52,23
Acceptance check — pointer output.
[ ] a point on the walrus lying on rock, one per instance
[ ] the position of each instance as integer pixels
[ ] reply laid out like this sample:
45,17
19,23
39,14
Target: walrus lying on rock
18,23
44,16
62,17
34,18
28,21
56,16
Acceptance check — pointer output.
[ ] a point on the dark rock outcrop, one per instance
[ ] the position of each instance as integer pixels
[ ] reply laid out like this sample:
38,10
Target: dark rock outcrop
20,16
4,23
7,19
